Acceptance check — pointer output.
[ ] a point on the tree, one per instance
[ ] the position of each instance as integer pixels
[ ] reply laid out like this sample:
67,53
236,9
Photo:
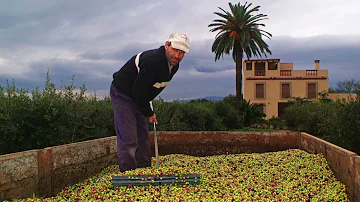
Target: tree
331,90
347,86
239,31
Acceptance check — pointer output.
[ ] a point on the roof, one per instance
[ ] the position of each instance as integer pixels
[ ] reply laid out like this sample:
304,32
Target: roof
263,60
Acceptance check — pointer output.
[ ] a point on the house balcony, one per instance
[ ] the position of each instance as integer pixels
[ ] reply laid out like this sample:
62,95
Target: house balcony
260,73
311,72
285,72
299,72
288,73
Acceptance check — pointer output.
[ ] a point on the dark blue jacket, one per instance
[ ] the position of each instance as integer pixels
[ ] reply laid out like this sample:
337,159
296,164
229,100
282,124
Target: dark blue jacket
144,86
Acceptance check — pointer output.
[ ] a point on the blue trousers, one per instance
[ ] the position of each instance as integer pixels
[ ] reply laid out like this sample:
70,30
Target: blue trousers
132,132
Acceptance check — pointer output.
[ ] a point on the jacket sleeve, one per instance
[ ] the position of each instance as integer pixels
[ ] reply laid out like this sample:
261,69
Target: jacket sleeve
140,90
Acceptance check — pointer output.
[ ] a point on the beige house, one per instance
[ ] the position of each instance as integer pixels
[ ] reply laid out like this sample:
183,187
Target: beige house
272,84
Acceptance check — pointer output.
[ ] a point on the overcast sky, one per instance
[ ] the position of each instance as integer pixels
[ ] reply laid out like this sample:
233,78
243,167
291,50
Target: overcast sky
92,39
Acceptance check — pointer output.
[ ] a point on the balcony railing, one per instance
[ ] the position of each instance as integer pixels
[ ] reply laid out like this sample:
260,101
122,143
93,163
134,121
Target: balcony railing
311,72
290,73
285,72
260,73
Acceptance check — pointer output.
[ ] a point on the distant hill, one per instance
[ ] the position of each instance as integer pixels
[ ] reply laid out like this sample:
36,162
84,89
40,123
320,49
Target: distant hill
212,98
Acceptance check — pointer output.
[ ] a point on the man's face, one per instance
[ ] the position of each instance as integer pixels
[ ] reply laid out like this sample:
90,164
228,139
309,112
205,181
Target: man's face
174,56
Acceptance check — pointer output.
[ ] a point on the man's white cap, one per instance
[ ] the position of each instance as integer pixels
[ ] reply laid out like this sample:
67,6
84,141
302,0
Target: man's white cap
180,41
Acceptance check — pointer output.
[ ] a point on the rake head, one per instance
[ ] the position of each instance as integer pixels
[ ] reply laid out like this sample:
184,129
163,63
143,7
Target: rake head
145,180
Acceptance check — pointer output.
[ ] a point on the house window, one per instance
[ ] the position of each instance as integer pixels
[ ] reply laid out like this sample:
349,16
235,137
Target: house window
281,108
311,90
248,66
260,90
285,90
261,108
260,69
272,65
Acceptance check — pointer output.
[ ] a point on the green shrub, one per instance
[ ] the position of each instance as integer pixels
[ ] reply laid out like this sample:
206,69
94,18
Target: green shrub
277,123
229,115
170,116
53,117
192,116
349,122
336,122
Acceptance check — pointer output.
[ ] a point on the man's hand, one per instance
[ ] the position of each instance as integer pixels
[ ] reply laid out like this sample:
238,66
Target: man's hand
153,119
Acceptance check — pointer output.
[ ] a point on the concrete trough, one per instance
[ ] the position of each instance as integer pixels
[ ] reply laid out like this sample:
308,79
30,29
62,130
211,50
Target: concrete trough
45,172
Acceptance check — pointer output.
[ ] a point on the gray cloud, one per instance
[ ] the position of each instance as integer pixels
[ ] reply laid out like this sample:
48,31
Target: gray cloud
339,59
95,76
122,54
93,39
336,53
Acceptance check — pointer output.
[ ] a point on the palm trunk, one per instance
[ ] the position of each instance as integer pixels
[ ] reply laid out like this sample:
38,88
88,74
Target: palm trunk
239,63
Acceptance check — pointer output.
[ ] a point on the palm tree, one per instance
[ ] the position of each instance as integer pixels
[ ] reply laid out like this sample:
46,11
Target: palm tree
239,31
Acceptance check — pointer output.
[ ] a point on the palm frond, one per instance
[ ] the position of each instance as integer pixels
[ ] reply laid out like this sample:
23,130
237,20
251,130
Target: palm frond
256,8
216,29
216,24
223,33
221,15
256,18
220,21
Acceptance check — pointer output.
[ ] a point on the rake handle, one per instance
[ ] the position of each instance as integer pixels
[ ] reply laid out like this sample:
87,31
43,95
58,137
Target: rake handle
156,147
155,140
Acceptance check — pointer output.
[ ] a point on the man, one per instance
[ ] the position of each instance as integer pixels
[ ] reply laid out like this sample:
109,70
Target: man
137,83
